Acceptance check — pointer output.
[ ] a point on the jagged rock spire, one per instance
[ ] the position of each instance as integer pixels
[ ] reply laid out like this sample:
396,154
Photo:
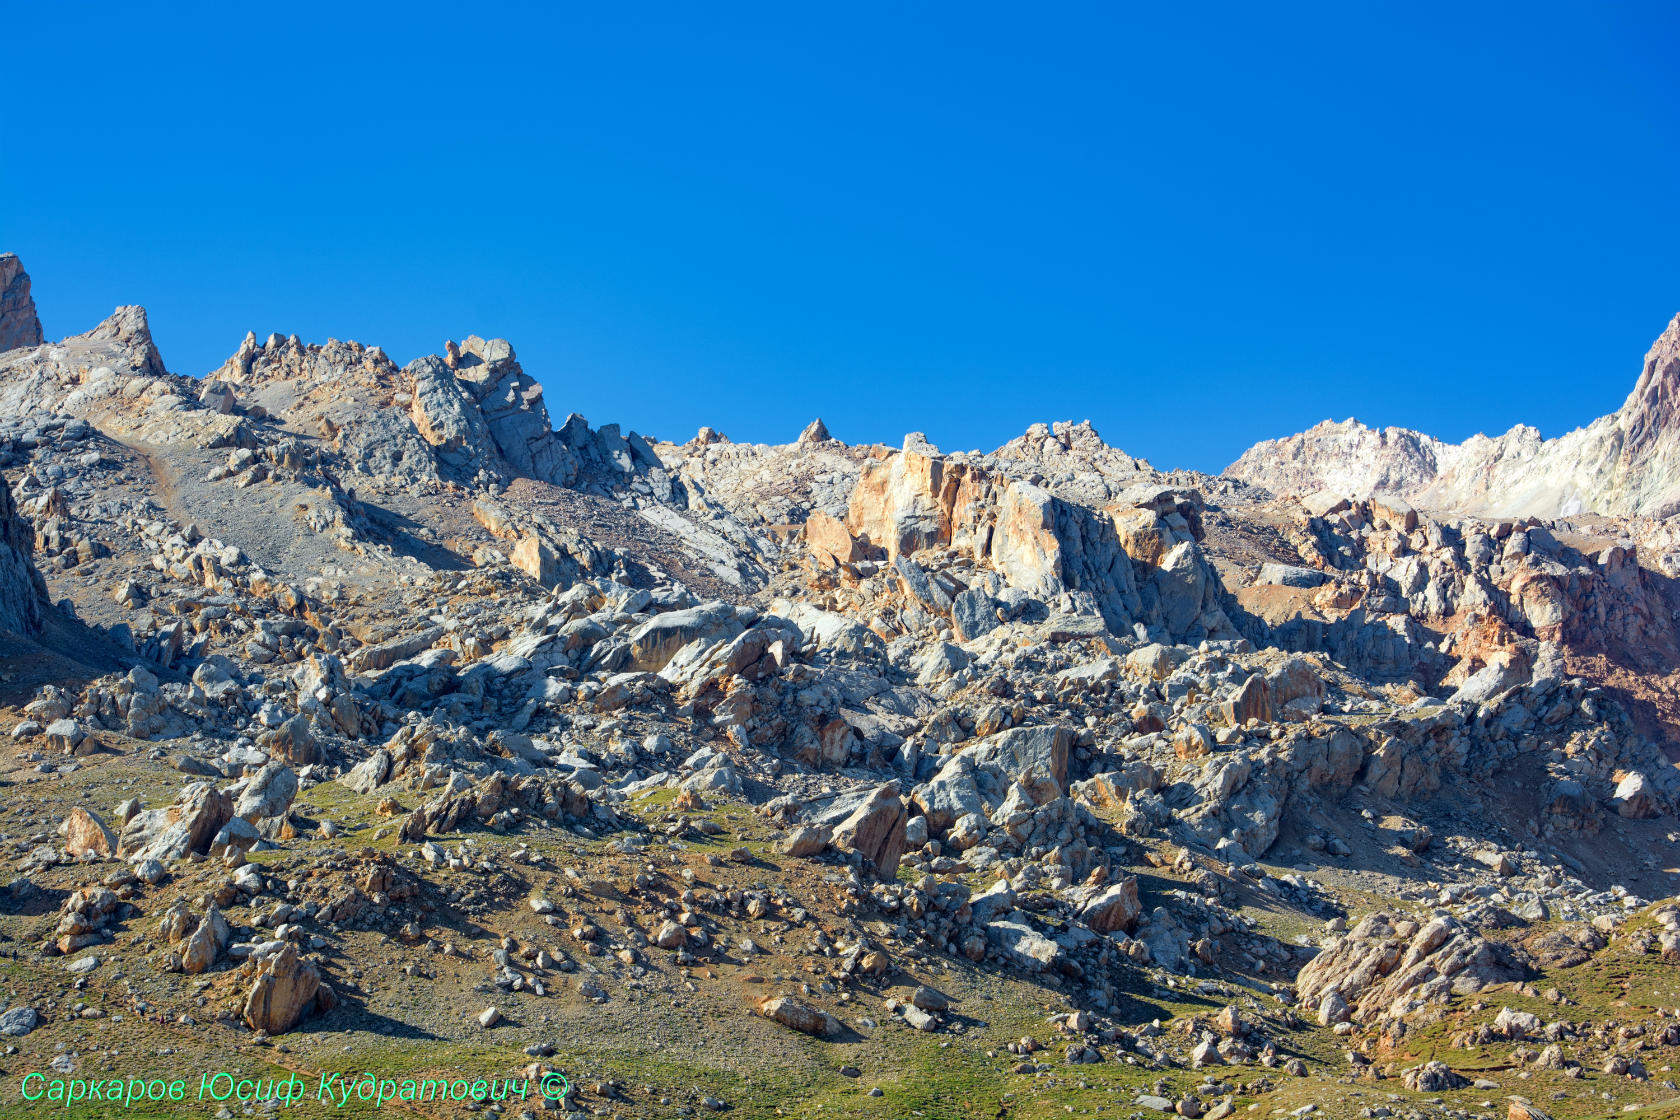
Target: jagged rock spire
19,325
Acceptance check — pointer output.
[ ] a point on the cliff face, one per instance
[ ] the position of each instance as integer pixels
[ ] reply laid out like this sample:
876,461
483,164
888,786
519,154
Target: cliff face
22,592
19,326
1625,463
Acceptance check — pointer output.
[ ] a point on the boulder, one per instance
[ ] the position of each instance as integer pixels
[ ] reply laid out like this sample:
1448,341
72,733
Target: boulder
805,841
1253,700
1295,687
284,990
1432,1077
292,741
86,835
1115,907
875,830
974,614
1035,756
1490,680
370,659
188,825
370,773
1395,510
1635,798
1015,938
268,794
238,835
1289,575
65,735
1155,661
801,1017
205,944
951,793
19,1021
657,640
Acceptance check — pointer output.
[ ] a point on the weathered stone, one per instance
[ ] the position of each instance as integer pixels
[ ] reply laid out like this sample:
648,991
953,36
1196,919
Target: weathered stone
19,325
801,1017
828,540
1115,907
875,830
284,990
186,826
268,794
86,835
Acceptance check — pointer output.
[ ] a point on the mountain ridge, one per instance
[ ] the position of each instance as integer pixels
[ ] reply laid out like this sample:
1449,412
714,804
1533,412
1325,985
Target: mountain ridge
1623,463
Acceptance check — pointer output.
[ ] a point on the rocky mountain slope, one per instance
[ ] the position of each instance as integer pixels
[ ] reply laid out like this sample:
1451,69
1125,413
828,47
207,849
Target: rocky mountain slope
1627,463
364,723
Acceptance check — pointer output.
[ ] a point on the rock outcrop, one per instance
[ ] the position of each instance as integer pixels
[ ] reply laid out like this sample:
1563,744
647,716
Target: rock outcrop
19,325
286,987
23,593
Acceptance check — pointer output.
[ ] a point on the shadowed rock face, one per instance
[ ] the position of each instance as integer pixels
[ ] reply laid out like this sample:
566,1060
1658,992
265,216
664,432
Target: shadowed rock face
1625,463
19,326
22,592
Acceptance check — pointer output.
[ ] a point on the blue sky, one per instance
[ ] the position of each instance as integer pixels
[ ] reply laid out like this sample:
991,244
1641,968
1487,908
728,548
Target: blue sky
1195,225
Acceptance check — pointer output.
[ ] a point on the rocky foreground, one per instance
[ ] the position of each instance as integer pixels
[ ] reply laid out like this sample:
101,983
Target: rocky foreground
362,722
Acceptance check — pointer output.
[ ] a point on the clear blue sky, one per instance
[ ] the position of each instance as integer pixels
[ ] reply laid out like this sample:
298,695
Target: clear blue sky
1197,226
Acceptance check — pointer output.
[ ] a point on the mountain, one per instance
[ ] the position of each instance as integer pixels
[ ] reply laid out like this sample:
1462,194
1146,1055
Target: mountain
1626,463
379,708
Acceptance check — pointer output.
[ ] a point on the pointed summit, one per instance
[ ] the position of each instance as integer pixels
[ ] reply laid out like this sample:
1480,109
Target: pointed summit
815,432
127,327
1654,404
20,328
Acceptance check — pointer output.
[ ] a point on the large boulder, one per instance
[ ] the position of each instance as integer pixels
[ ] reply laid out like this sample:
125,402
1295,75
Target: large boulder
1497,676
370,773
801,1017
268,794
293,741
1295,686
189,825
1014,937
85,835
1114,907
828,540
657,640
1035,756
875,830
951,793
1253,700
285,988
201,948
1635,798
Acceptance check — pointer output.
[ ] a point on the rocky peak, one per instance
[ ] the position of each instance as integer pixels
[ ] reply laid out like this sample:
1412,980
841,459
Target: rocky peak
706,437
1653,405
127,327
291,359
481,362
1624,463
19,326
